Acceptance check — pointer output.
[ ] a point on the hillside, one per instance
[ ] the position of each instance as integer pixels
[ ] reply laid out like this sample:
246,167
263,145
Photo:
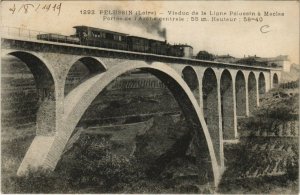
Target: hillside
266,159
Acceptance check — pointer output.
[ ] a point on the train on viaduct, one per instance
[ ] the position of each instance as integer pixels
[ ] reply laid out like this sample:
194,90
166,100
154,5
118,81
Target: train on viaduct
212,95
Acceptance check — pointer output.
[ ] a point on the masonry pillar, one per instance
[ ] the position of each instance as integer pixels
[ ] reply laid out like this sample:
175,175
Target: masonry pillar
200,77
268,81
247,97
60,104
49,123
220,123
234,110
257,93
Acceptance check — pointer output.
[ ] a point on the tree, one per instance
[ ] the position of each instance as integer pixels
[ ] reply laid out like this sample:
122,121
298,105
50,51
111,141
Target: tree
277,108
204,55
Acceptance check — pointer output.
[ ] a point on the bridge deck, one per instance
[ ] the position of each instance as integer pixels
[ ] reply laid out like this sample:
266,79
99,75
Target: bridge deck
187,60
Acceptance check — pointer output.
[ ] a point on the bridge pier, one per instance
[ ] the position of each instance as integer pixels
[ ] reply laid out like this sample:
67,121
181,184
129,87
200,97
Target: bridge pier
221,136
49,122
247,95
234,109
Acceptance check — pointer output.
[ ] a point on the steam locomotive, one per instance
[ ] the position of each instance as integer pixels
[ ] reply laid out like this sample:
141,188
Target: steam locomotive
97,37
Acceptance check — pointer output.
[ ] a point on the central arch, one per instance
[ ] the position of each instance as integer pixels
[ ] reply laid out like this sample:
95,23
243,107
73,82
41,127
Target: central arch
78,100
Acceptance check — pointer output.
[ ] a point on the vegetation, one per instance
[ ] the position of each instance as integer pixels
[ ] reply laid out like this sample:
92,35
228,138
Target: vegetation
266,159
204,55
253,61
91,166
259,164
276,108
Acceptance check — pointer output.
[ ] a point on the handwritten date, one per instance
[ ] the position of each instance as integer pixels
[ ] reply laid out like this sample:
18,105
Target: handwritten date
28,7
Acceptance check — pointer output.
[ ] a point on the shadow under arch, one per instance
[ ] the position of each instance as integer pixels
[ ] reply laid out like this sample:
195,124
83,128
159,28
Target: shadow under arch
227,108
189,75
82,69
261,84
211,110
87,92
42,74
252,92
45,85
240,88
275,80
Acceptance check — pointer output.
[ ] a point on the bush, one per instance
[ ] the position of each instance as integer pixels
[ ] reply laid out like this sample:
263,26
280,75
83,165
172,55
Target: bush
276,108
36,181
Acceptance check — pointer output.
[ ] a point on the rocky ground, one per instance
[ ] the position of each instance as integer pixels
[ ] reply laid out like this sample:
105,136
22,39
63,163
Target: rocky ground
161,160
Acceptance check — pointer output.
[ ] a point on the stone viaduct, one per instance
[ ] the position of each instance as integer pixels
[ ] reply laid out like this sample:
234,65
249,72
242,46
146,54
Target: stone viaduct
212,95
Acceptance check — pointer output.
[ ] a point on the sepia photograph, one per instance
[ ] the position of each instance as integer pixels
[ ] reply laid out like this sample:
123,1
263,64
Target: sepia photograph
149,97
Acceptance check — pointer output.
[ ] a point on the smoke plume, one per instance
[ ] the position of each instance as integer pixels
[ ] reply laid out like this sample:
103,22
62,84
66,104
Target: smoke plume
144,28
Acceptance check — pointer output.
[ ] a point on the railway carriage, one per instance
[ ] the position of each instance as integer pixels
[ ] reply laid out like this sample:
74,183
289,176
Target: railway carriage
97,37
158,47
101,38
58,38
138,44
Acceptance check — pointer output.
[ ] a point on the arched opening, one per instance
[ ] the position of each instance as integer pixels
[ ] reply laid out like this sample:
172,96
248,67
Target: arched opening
42,76
194,141
81,70
44,93
19,94
210,108
190,77
227,109
252,92
261,85
240,88
275,80
27,88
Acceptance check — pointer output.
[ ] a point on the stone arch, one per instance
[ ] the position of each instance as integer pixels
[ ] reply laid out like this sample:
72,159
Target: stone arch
261,84
210,109
87,91
82,69
41,72
189,75
45,85
252,92
240,88
275,80
227,105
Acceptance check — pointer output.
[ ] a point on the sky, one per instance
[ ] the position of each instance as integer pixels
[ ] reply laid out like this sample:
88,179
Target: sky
235,38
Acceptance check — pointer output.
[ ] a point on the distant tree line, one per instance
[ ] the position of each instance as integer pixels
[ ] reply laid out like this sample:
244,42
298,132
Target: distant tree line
204,55
290,85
